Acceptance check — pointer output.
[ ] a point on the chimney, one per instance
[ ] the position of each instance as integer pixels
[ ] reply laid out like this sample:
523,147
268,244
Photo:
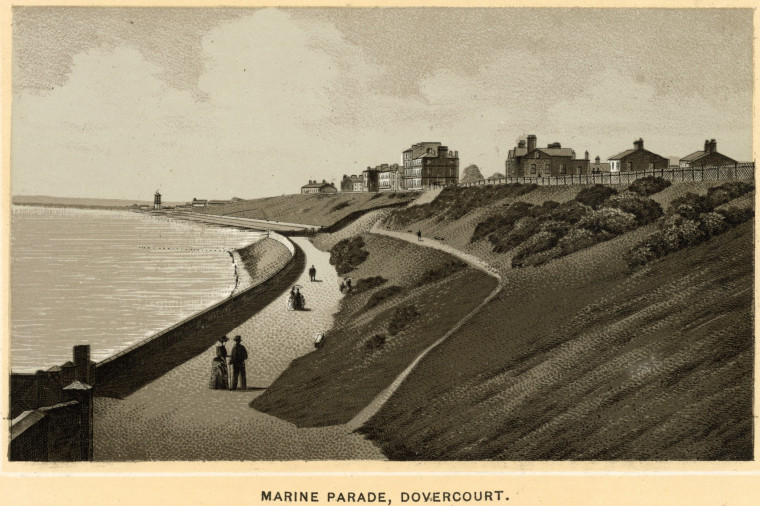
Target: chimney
597,159
323,181
707,145
520,144
713,145
531,143
639,144
586,155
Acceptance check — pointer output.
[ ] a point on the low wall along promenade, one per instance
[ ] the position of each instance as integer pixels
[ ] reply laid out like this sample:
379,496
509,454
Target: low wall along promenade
52,409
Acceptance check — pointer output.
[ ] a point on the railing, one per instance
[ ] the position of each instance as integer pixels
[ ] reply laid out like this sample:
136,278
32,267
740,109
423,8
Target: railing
735,171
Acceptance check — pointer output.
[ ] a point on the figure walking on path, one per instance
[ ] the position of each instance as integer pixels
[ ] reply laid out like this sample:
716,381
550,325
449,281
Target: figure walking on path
348,284
313,273
238,356
219,375
419,235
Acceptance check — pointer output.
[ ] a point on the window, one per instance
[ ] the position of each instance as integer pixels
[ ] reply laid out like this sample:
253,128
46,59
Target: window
630,166
651,165
536,155
547,168
532,168
562,168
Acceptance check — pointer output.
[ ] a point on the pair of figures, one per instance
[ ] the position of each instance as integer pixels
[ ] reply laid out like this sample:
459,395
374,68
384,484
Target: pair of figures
219,374
296,301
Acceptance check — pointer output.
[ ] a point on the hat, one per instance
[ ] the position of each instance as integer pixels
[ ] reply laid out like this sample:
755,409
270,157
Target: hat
238,339
224,339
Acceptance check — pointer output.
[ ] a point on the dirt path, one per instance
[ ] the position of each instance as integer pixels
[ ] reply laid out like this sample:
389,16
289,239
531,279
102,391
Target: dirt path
177,417
374,406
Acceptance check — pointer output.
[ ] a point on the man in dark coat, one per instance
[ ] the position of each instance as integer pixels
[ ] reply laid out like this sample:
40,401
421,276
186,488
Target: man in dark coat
419,235
312,273
238,356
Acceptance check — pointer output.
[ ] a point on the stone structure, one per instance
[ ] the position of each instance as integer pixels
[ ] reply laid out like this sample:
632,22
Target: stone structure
352,183
429,165
316,187
707,158
157,201
637,159
529,160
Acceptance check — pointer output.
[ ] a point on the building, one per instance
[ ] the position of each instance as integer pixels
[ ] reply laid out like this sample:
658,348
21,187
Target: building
428,165
371,179
599,167
352,183
198,202
707,158
157,200
637,159
315,187
389,177
529,160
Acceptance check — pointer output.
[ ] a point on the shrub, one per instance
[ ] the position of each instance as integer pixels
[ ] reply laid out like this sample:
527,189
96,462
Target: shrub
348,254
537,243
382,295
690,206
502,223
736,216
608,219
402,317
640,255
727,192
339,206
594,196
437,273
581,238
712,224
365,284
644,209
522,230
570,212
649,185
375,342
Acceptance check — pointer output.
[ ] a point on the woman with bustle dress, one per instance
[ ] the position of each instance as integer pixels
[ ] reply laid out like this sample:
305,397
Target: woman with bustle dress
219,376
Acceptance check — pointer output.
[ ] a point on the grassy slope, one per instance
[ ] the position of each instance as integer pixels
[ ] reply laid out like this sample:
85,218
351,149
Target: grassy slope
334,383
307,209
579,360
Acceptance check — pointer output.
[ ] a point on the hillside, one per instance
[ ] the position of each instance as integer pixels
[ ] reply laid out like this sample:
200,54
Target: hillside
577,358
382,325
316,209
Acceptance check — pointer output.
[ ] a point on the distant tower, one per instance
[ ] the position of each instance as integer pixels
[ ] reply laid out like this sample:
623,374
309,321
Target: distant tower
157,200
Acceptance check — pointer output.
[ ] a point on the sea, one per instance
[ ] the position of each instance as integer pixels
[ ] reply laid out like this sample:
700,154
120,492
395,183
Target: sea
110,278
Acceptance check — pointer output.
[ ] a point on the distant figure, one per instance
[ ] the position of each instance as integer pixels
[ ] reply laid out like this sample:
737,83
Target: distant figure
219,376
348,284
293,292
419,235
300,301
342,286
238,356
313,273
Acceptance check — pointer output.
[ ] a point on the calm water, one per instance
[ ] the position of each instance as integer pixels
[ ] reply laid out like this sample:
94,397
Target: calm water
109,279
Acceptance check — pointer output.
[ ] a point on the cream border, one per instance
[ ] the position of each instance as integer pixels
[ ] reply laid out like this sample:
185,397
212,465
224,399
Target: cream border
227,482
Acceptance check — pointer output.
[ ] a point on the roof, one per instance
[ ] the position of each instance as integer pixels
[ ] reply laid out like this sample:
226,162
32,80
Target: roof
556,151
316,185
694,156
621,155
520,152
55,368
77,385
24,421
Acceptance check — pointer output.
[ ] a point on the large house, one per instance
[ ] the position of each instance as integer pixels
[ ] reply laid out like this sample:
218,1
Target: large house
352,183
707,158
637,159
529,160
429,164
315,187
382,178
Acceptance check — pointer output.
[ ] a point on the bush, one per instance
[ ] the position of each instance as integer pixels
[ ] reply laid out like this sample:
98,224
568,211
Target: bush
348,254
644,209
736,216
402,317
522,230
537,243
608,219
375,342
594,196
649,185
727,192
437,273
365,284
690,206
339,206
712,224
570,212
382,295
581,238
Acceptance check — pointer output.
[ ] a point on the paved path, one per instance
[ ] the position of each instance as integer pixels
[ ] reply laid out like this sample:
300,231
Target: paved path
374,406
177,417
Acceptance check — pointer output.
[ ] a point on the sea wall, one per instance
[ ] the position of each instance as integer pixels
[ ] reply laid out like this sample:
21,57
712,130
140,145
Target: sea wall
132,357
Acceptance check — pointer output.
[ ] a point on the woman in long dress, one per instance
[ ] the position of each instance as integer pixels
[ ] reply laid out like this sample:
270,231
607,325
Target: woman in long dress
219,376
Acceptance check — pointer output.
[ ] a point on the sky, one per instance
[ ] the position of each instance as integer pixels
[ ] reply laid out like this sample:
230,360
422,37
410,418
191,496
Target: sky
212,103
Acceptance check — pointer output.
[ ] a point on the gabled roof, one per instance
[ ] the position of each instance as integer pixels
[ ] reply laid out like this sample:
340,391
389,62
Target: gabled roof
694,156
622,155
556,151
519,152
316,185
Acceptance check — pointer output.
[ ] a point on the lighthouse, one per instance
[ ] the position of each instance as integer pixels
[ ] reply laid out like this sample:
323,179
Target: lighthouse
157,200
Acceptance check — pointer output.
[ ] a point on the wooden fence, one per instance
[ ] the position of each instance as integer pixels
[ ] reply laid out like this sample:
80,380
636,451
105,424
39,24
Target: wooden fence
736,171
